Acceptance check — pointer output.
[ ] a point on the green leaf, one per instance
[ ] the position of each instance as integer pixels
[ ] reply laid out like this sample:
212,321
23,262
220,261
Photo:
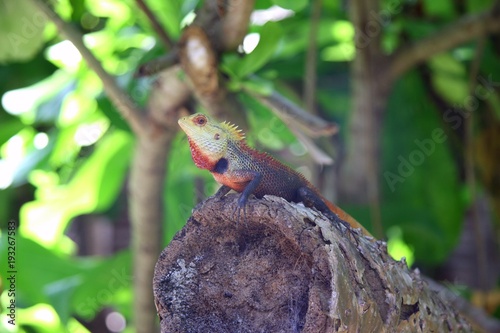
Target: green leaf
267,129
102,284
24,74
450,78
420,184
270,35
258,85
32,160
48,110
68,284
93,188
263,4
478,5
445,9
32,262
419,29
9,127
111,113
296,5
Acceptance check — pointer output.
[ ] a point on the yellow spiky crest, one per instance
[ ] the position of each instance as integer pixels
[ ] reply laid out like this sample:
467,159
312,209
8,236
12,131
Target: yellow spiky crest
233,130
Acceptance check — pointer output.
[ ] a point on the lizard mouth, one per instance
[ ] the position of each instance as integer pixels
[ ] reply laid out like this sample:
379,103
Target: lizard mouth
183,123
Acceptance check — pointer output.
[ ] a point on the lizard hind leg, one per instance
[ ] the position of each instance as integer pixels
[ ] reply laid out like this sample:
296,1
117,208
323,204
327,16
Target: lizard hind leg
311,199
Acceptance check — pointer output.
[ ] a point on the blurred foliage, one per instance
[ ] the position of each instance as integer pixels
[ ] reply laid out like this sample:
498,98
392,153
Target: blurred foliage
65,151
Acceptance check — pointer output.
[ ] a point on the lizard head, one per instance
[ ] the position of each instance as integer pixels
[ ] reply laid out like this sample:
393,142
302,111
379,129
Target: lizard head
208,139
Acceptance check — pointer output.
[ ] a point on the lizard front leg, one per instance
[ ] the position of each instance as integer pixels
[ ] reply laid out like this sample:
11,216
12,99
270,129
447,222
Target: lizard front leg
245,182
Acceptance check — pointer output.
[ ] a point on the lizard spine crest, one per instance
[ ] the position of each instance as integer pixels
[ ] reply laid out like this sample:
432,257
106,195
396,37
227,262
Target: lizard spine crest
233,130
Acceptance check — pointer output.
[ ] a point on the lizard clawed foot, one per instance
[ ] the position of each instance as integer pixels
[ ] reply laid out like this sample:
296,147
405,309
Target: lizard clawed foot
347,230
240,207
341,225
237,214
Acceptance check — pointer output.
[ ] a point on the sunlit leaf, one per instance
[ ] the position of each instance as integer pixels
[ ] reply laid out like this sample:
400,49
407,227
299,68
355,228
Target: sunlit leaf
32,159
40,317
342,31
117,11
93,188
24,102
397,248
450,79
81,285
270,35
339,52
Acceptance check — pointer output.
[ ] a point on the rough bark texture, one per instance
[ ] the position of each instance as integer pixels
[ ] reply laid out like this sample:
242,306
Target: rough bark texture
287,269
147,176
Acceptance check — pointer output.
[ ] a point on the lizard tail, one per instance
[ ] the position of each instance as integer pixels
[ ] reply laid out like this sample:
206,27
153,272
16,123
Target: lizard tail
346,217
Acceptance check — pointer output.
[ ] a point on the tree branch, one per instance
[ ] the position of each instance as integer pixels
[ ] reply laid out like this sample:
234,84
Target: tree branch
158,64
146,187
455,34
288,269
235,22
303,125
470,171
120,99
480,321
359,180
214,30
156,24
310,75
294,116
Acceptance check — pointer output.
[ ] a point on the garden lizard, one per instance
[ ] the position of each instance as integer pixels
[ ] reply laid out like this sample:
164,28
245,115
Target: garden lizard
221,149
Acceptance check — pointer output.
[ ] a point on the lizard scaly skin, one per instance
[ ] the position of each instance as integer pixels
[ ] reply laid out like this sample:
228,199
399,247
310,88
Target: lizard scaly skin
221,149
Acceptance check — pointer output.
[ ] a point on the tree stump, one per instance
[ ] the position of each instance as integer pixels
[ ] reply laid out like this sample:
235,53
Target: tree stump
286,268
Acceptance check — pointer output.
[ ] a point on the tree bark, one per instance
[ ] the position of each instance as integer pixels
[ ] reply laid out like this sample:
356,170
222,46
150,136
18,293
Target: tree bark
147,178
360,170
286,268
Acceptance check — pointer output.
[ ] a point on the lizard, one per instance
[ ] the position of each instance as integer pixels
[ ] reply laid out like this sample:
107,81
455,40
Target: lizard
221,149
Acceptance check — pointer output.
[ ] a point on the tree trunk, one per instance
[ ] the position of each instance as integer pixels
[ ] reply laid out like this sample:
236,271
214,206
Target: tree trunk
286,268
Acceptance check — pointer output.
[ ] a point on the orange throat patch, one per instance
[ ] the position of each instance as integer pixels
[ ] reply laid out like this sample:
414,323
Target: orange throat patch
201,160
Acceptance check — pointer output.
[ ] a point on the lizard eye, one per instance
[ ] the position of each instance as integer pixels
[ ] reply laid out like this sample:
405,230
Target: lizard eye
200,120
217,136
